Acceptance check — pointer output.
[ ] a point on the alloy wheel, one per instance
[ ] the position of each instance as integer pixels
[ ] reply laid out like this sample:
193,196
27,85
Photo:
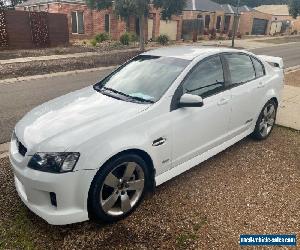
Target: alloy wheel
268,120
122,188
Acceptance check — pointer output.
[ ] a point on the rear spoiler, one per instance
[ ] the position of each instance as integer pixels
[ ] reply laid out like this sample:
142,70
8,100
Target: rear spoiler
274,61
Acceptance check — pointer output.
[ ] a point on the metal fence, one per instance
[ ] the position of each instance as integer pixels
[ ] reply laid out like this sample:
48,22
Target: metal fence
192,28
22,29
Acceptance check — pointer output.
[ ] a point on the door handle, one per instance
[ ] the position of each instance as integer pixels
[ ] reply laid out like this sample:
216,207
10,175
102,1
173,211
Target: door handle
261,85
159,141
223,101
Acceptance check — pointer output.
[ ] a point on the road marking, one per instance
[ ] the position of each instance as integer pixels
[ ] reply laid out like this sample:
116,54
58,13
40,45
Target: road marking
35,77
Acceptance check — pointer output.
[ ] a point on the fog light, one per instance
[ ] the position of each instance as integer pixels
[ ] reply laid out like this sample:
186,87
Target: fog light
53,199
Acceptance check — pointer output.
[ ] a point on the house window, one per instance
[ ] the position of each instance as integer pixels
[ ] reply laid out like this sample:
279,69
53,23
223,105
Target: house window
199,16
77,22
218,25
207,21
107,23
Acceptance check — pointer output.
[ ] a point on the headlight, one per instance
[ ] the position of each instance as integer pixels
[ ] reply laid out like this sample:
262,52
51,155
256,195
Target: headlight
54,162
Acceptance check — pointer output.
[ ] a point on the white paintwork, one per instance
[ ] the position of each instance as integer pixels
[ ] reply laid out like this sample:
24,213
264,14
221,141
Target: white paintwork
100,127
191,99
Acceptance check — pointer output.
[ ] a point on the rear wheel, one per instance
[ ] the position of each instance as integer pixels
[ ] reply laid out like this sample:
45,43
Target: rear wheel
118,188
266,121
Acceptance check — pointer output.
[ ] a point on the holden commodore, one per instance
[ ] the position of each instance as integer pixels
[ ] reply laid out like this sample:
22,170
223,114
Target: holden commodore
95,153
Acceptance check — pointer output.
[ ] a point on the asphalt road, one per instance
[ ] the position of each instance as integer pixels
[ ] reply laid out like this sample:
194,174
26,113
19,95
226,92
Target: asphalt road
18,98
289,52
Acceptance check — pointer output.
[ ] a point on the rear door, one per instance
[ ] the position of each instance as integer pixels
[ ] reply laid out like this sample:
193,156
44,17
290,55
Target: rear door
247,91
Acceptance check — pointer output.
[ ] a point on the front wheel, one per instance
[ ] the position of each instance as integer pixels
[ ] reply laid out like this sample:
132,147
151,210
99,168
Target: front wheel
266,121
118,188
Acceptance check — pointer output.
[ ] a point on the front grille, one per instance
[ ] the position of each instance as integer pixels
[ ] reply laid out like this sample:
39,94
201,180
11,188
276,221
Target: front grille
21,148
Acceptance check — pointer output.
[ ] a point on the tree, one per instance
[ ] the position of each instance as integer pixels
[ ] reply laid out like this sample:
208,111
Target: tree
9,4
294,8
139,8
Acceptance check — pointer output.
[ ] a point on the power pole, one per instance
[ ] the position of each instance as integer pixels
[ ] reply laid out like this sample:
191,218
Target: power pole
235,22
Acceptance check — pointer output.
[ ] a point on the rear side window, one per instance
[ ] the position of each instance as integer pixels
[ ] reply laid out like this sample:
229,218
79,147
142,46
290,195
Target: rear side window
206,79
241,68
259,68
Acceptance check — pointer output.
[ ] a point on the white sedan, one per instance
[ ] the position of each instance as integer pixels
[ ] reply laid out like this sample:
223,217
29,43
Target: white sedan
94,153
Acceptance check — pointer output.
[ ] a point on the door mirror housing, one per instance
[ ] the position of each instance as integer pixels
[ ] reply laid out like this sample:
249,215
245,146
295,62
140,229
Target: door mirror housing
188,100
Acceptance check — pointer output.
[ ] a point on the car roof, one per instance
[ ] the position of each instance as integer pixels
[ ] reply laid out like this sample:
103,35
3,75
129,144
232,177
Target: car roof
188,52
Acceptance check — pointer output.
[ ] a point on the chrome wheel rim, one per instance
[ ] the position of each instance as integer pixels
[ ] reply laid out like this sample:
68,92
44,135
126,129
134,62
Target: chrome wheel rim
122,189
268,120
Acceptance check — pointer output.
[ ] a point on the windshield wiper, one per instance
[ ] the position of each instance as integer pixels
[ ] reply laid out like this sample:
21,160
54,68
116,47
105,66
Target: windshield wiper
128,96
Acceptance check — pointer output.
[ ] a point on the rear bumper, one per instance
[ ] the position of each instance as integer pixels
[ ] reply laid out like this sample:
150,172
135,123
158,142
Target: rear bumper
71,191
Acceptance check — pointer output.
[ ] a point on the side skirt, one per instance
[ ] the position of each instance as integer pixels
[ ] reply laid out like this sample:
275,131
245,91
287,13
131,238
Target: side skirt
160,179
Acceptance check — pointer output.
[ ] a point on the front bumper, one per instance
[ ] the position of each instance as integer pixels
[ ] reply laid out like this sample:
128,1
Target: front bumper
34,188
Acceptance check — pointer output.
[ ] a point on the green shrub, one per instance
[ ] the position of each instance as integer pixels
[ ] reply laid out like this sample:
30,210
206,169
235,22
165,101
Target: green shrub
163,39
125,38
102,37
133,37
94,42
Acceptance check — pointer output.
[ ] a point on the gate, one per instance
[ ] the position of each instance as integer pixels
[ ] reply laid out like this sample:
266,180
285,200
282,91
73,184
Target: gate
192,28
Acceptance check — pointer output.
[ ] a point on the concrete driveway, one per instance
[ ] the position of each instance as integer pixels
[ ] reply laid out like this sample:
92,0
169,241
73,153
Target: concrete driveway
289,108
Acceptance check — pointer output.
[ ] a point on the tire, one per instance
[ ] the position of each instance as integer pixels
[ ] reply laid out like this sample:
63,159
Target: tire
266,121
118,188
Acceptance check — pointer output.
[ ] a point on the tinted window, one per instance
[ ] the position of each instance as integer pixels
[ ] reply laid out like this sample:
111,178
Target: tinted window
206,79
146,77
241,68
258,68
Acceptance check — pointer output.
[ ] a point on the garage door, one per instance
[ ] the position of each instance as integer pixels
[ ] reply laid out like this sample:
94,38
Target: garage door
259,26
168,28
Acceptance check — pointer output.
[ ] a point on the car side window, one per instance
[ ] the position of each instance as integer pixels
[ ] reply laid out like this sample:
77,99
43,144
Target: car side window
206,79
240,67
259,68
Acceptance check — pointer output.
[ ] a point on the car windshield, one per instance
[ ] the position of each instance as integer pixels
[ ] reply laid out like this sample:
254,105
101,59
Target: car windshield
144,78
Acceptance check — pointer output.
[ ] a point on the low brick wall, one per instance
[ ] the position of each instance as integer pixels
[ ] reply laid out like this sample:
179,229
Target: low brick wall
62,65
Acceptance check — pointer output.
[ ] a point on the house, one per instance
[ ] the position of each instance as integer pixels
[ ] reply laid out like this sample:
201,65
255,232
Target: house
210,12
85,23
221,17
251,21
282,20
278,12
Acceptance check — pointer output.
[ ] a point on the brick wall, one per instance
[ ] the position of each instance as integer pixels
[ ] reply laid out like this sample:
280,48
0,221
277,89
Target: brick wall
94,20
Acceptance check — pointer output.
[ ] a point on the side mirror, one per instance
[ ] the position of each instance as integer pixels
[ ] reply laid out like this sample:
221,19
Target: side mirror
188,100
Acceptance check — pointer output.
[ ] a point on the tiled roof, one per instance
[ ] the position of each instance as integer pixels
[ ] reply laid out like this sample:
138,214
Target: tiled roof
37,2
279,10
203,5
229,9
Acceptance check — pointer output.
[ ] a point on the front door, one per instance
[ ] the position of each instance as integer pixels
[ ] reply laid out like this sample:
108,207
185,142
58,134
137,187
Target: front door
195,130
